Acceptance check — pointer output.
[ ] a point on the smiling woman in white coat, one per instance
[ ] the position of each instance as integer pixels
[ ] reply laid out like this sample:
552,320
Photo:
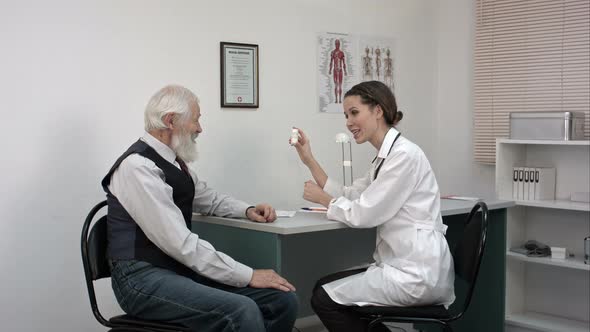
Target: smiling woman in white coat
399,196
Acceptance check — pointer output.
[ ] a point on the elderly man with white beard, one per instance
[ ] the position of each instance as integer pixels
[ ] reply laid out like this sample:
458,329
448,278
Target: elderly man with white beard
161,270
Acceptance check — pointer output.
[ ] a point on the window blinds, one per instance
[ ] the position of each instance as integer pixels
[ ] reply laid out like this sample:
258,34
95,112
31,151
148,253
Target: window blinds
530,55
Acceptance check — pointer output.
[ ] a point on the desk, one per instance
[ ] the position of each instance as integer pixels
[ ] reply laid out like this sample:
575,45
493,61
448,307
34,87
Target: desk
309,246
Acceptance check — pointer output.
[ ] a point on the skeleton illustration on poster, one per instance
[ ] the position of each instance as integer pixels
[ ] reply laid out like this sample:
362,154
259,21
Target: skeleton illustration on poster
377,60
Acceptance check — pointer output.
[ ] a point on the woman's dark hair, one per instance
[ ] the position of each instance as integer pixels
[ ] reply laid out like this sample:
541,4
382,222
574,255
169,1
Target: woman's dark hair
375,93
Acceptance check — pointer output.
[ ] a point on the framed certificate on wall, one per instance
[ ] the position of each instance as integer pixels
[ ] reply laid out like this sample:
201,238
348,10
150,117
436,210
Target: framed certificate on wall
239,75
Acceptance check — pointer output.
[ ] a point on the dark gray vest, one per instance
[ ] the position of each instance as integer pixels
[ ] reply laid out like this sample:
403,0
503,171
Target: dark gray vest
125,239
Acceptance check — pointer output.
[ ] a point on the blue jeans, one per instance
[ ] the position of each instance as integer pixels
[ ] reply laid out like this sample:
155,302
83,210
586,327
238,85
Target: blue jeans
153,293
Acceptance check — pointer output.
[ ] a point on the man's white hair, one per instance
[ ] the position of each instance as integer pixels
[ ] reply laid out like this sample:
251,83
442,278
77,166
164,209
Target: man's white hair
170,99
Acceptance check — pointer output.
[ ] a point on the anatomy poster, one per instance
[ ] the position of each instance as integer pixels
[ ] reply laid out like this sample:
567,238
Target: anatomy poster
344,60
376,60
336,69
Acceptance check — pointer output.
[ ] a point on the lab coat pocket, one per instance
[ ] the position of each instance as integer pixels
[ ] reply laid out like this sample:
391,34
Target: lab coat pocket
402,286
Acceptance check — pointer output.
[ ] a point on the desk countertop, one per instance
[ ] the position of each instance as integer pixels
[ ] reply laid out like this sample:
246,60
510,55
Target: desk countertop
304,222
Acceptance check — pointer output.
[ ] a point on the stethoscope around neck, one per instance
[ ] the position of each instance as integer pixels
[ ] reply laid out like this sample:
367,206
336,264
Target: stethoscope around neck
382,160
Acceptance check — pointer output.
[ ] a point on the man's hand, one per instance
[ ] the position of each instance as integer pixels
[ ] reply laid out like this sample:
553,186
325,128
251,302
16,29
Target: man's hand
261,213
314,193
270,279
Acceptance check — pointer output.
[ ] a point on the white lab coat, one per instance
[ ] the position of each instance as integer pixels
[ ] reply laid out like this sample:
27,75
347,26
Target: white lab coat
413,264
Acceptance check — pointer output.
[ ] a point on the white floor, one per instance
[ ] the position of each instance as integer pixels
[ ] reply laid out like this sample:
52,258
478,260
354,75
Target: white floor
313,324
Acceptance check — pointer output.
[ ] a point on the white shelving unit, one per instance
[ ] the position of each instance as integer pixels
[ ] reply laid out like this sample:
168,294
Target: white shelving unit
546,323
545,294
556,204
572,263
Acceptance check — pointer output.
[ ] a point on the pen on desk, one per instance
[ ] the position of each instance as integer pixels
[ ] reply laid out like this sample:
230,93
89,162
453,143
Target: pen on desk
314,209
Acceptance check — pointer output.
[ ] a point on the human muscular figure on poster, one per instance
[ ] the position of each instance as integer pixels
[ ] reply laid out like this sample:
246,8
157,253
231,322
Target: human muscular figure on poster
338,64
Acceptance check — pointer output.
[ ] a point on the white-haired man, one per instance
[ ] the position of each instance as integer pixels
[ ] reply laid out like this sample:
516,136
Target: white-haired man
160,269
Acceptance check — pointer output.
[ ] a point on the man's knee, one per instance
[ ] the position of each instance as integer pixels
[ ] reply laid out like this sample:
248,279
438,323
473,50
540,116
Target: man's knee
289,303
247,313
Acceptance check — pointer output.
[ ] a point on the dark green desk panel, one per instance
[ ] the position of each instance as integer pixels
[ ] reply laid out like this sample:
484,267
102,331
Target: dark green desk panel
301,258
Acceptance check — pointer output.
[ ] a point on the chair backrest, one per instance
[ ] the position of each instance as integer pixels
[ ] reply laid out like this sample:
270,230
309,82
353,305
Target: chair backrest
94,246
469,250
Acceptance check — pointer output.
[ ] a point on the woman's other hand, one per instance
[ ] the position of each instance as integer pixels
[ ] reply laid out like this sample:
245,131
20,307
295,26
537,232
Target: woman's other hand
314,193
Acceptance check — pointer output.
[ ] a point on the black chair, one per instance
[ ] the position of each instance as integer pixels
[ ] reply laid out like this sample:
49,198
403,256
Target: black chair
94,247
467,256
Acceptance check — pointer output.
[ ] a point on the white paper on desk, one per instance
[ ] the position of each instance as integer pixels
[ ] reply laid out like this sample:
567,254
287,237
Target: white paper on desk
284,214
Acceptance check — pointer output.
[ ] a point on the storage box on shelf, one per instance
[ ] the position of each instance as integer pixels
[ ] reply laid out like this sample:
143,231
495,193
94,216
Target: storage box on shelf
545,294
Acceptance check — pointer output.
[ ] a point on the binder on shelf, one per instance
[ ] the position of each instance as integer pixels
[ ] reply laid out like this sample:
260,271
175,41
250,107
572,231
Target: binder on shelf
520,183
525,190
532,184
515,183
544,183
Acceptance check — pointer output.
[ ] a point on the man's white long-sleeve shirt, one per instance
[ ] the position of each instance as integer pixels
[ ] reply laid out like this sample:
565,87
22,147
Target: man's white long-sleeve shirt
140,187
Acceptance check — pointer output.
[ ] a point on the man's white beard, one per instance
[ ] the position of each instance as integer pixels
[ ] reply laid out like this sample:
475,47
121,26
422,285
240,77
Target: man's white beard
185,147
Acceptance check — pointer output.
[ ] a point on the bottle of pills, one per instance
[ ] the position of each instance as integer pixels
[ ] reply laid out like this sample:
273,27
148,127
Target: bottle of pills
294,136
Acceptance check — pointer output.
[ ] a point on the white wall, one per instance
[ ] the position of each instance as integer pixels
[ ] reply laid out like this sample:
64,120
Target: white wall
456,171
74,79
